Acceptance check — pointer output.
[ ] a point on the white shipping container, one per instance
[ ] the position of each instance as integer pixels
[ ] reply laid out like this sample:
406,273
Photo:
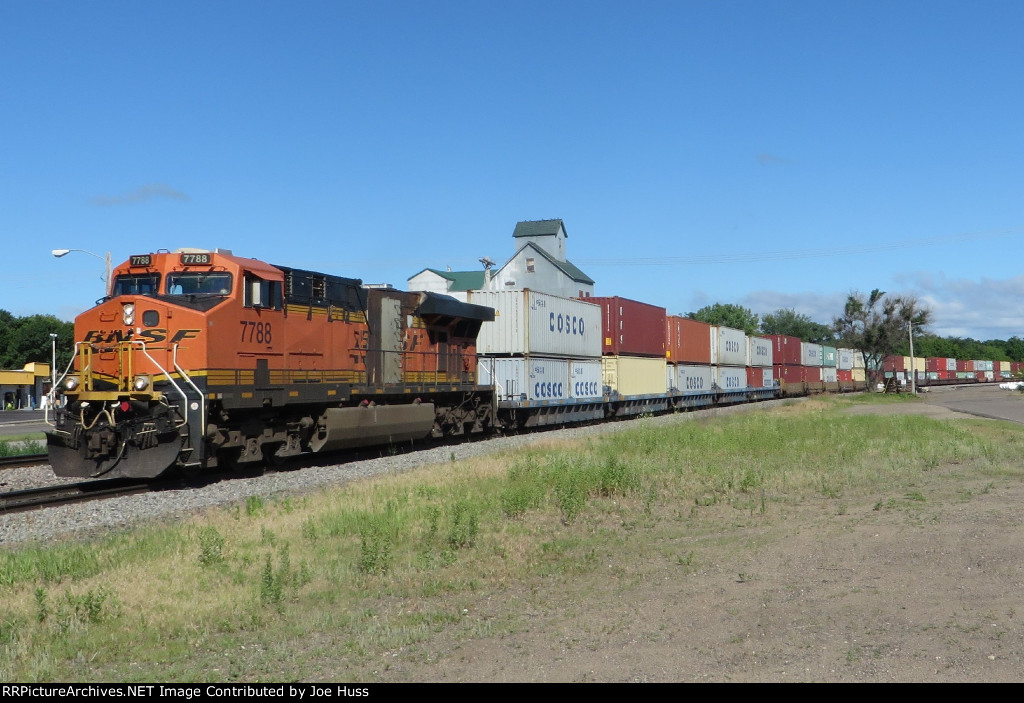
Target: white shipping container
694,378
769,379
845,359
527,322
728,346
810,354
858,360
950,364
634,375
829,374
527,378
731,378
759,351
585,378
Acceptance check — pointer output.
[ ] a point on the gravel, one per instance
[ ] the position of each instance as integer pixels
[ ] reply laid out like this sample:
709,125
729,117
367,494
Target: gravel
100,517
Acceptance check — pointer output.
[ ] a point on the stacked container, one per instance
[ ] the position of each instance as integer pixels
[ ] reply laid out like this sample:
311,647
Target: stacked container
633,346
540,348
729,352
688,356
787,362
759,362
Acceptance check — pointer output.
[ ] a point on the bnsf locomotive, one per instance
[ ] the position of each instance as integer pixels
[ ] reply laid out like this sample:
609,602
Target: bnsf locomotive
200,359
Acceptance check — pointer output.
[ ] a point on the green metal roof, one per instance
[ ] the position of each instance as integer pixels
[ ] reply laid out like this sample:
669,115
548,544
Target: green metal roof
461,280
533,228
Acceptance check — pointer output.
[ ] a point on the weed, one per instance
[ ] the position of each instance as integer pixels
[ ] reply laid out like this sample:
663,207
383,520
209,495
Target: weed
254,505
465,525
42,604
211,547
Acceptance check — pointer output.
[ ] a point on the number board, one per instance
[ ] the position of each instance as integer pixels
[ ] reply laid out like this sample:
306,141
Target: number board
140,260
195,259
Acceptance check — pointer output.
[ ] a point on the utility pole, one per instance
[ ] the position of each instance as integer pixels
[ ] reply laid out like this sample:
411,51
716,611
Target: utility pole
913,371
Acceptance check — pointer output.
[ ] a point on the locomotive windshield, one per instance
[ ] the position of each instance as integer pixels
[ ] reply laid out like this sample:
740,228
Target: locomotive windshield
137,284
201,282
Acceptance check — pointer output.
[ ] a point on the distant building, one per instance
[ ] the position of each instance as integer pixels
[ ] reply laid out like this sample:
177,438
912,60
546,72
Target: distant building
539,264
23,389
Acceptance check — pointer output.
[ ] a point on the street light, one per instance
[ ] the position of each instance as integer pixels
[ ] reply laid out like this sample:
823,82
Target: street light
53,369
61,252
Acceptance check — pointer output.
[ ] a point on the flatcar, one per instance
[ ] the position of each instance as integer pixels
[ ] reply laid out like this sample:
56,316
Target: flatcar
200,358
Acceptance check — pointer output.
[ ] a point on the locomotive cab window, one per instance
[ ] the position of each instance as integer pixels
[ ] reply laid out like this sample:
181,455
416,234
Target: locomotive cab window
137,284
199,283
260,293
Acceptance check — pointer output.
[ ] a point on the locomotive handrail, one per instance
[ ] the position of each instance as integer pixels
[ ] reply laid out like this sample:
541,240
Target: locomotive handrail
184,398
53,389
202,398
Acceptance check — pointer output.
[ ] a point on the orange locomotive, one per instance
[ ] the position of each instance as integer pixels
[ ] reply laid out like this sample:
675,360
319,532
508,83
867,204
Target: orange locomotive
200,358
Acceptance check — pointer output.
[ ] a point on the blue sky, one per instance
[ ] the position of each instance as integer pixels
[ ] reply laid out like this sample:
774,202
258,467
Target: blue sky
770,154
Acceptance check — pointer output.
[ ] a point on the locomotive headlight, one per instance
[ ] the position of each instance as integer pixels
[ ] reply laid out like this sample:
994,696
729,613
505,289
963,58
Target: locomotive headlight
71,383
128,314
141,383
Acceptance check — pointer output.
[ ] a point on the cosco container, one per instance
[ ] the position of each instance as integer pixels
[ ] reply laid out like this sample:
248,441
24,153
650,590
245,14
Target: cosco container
630,327
730,378
634,375
530,323
585,378
687,341
693,378
759,351
810,355
844,359
728,346
828,374
527,378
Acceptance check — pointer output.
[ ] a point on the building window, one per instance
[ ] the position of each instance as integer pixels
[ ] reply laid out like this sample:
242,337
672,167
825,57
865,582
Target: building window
530,265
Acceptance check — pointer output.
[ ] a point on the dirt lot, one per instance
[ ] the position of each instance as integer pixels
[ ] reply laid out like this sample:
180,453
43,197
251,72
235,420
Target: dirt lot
825,590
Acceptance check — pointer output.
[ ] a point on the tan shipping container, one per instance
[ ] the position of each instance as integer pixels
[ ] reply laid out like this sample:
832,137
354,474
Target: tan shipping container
634,375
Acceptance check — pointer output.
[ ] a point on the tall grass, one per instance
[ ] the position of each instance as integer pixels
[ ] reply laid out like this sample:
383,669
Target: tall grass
380,566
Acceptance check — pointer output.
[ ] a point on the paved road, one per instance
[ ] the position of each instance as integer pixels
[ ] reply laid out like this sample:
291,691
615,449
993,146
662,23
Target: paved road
21,422
981,401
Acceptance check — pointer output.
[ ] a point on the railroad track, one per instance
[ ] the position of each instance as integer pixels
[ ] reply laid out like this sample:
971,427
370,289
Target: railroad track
50,496
19,460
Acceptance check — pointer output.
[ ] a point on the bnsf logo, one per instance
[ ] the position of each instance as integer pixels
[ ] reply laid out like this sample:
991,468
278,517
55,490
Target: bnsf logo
568,324
151,336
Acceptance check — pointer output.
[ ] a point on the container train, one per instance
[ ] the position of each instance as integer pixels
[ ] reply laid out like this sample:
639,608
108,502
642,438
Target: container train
199,359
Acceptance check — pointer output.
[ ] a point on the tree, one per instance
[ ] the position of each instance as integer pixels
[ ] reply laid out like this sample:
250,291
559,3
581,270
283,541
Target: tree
877,324
789,322
27,339
729,315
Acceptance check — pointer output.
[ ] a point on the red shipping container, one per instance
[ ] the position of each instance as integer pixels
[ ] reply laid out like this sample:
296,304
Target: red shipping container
961,366
790,373
844,376
756,377
893,363
631,328
785,349
934,364
686,341
812,374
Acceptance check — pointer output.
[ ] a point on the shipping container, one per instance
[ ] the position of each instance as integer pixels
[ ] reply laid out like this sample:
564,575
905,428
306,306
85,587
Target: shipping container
788,373
728,346
844,359
894,363
634,375
859,375
785,349
759,351
812,374
693,378
527,377
530,323
919,364
810,354
829,374
585,380
950,364
760,377
730,378
631,328
858,361
687,341
829,356
844,375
